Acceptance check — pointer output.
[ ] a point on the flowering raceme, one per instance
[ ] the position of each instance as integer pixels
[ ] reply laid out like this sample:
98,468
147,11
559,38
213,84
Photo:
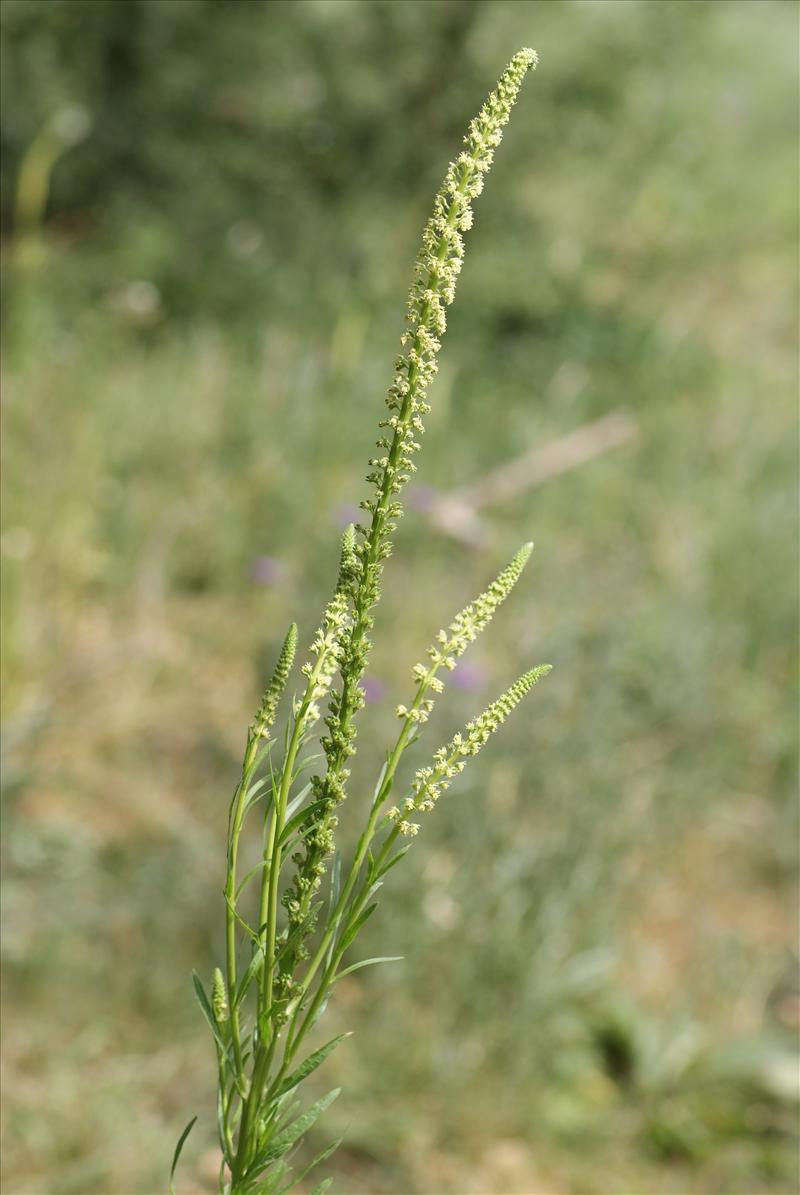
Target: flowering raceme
286,940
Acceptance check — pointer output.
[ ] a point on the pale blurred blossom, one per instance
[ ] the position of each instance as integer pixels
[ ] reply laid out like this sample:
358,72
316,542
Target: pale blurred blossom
374,689
267,570
345,513
469,676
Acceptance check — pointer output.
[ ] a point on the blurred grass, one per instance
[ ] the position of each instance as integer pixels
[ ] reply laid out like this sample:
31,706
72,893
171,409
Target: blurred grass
599,993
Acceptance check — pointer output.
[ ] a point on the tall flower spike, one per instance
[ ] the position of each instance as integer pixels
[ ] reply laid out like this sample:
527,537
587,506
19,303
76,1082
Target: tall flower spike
269,702
433,289
430,782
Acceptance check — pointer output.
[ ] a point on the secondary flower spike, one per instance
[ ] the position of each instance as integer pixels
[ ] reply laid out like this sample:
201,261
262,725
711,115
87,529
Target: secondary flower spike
429,783
463,630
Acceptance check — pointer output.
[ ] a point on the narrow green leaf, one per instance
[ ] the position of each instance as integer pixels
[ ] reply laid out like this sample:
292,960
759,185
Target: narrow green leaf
379,785
297,801
262,754
297,821
203,999
254,796
350,934
287,1138
320,1011
268,1185
254,967
255,788
367,962
336,876
394,859
243,883
208,1013
288,1111
311,1063
177,1154
305,763
248,929
322,1187
318,1160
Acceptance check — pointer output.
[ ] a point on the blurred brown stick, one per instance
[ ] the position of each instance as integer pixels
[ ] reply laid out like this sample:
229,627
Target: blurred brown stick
457,513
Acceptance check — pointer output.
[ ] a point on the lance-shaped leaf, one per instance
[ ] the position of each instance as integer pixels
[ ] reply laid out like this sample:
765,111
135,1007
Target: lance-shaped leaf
177,1154
311,1063
286,1139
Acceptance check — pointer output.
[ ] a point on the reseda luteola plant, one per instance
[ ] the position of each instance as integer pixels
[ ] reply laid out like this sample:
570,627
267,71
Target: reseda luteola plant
280,968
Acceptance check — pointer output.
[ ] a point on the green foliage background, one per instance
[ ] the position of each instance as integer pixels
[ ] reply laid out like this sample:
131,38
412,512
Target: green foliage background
599,994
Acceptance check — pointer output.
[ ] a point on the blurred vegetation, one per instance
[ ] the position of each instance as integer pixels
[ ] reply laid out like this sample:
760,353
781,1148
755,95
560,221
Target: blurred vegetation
209,216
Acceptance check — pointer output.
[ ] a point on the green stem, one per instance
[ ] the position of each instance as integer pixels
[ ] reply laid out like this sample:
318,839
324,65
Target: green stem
328,975
268,916
237,818
268,906
370,830
244,1152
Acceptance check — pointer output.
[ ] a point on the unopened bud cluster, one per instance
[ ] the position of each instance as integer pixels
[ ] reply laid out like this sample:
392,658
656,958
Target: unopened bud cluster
269,702
219,997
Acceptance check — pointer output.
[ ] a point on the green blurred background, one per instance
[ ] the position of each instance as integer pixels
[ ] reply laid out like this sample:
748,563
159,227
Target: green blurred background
210,210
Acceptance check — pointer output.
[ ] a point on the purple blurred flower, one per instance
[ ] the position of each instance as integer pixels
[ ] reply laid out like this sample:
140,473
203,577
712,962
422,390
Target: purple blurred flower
345,513
422,497
469,676
267,570
374,689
